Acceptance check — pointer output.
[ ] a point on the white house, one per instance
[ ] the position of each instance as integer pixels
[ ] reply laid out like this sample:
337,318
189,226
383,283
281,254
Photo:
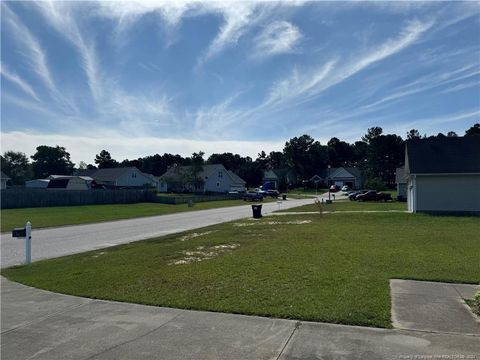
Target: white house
212,178
4,178
443,175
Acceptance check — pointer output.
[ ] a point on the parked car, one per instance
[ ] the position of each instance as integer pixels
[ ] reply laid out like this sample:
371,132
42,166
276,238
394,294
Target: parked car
273,193
353,195
345,188
372,195
334,188
252,196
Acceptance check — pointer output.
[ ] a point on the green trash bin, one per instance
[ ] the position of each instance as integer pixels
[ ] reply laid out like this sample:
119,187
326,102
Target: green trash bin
284,197
257,211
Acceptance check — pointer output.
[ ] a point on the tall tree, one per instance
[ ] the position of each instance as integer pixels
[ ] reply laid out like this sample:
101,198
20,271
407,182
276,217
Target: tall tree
297,154
275,160
452,134
17,167
231,161
474,130
413,134
50,160
384,154
344,152
196,168
372,133
104,160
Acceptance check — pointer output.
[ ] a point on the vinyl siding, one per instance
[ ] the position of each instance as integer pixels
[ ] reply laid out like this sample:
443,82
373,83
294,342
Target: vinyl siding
448,193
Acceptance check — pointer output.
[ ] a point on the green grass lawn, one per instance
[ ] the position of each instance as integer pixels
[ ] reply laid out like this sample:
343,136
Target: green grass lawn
73,215
352,206
310,267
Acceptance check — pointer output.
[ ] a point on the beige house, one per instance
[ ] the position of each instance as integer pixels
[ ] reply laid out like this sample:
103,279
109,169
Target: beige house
212,178
443,175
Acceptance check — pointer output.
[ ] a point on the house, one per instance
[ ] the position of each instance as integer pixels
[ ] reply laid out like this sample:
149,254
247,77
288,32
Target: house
120,177
67,182
443,175
212,178
280,178
4,178
349,176
401,181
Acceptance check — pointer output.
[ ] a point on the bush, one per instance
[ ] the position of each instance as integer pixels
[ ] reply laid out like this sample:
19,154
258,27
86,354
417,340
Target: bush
475,303
375,184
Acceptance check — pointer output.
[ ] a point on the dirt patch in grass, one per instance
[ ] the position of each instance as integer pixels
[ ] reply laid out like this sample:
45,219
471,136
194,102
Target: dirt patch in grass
201,253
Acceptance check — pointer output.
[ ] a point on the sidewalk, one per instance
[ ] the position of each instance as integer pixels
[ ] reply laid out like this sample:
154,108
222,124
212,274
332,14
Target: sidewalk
433,306
38,324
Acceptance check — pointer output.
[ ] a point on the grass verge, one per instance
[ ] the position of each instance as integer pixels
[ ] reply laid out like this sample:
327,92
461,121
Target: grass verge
314,267
352,206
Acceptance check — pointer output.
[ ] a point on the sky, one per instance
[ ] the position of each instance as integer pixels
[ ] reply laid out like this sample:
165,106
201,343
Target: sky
140,78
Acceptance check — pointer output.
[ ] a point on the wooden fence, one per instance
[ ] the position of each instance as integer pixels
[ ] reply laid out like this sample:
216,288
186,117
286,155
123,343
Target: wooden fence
14,198
25,198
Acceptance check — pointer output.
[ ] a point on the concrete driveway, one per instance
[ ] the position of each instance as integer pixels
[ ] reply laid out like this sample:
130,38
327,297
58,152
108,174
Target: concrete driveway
55,242
38,324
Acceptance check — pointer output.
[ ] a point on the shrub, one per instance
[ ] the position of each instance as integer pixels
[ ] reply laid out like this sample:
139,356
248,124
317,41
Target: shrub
375,184
475,303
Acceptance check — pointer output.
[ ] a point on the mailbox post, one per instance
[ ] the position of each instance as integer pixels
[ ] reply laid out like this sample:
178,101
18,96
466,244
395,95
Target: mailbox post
28,243
26,233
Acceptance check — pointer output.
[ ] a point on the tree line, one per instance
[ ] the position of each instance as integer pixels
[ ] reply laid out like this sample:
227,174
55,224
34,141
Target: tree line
376,154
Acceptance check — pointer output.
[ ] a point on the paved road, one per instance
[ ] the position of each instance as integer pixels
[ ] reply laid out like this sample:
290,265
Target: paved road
54,242
38,324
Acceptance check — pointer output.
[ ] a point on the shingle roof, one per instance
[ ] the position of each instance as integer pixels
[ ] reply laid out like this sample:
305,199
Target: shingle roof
173,173
443,155
4,176
236,178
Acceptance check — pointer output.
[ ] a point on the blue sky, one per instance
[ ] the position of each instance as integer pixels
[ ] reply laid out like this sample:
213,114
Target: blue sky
139,78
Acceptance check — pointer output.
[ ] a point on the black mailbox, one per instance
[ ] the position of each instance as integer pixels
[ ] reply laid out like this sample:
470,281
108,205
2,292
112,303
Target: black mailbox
19,232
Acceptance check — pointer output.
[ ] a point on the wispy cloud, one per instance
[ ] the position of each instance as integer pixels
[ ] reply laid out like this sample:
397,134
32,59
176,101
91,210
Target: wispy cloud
429,82
302,87
17,80
60,16
33,52
279,37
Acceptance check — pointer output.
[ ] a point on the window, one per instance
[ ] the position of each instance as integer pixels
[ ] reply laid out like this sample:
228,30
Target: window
220,174
218,184
134,174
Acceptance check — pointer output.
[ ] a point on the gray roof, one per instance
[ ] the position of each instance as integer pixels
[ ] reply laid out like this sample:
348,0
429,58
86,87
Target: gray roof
236,178
104,175
174,172
444,155
4,176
